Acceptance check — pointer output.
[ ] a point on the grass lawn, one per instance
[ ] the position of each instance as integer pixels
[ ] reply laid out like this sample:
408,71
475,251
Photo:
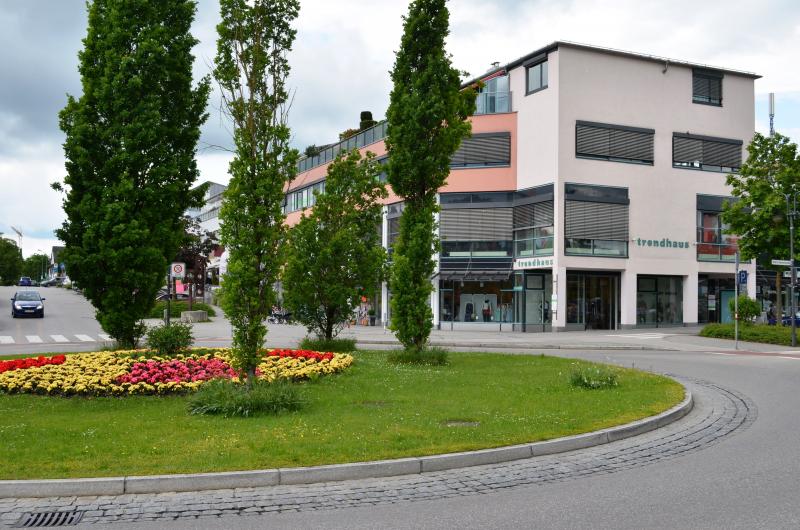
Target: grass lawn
374,410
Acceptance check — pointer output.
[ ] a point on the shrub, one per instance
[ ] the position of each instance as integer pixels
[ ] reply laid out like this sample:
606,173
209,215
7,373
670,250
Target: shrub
749,309
593,376
170,340
230,398
432,356
323,345
751,333
175,308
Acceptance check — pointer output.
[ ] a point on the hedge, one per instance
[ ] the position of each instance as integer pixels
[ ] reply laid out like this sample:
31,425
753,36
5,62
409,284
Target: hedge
764,333
175,308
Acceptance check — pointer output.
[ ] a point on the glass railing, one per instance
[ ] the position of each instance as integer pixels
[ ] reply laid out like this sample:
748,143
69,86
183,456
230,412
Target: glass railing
493,102
365,137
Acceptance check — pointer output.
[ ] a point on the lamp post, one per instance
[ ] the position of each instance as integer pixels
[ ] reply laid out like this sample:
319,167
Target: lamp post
791,211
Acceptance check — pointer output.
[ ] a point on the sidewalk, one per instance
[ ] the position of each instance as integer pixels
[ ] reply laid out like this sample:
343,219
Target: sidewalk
218,333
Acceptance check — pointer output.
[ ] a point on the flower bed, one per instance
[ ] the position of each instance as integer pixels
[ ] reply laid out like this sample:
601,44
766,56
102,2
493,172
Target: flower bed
30,362
136,372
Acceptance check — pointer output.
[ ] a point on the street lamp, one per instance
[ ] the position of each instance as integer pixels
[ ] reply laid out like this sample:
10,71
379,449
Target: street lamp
41,275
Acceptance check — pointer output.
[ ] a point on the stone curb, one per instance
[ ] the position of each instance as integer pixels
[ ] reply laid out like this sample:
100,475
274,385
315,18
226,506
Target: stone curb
336,472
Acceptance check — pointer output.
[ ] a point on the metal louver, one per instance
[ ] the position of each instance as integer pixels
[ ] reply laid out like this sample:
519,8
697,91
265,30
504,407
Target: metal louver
476,224
596,220
532,215
600,140
483,150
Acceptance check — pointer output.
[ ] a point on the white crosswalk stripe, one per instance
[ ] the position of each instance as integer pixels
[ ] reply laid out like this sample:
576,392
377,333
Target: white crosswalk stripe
643,336
84,338
104,336
59,338
5,339
34,339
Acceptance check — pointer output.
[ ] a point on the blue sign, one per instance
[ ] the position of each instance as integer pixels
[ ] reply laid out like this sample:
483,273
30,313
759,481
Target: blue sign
742,277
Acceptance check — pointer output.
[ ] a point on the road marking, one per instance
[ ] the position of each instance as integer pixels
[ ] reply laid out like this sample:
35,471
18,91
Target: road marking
643,335
104,336
34,338
5,339
59,338
84,338
721,353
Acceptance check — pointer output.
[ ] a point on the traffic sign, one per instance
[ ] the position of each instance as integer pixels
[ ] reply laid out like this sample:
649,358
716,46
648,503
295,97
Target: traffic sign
782,262
177,270
742,277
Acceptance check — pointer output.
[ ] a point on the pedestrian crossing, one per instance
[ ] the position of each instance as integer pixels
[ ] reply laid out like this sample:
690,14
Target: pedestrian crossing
58,339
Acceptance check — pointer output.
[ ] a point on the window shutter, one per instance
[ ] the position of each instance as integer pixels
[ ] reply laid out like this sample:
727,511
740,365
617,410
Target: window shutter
613,141
687,150
483,151
722,154
476,224
595,220
593,141
532,215
631,145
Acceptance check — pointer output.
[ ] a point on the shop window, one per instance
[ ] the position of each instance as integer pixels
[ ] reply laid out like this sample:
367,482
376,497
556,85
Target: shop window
659,300
713,241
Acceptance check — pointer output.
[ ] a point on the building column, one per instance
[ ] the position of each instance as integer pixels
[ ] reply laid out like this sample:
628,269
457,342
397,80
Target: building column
560,290
627,299
690,299
435,301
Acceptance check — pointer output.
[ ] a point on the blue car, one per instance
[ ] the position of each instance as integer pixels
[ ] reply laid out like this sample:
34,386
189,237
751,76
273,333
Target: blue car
27,304
25,281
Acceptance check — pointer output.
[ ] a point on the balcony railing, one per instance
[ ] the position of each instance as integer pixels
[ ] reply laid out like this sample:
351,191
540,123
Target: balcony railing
493,102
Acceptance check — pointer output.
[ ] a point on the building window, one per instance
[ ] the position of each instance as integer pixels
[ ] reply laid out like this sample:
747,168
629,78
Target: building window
693,151
483,150
596,221
707,87
536,75
494,97
476,232
616,143
533,229
713,241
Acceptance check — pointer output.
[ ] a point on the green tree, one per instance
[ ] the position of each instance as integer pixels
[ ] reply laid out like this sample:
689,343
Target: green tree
771,172
334,256
251,69
749,308
35,266
427,120
10,262
130,156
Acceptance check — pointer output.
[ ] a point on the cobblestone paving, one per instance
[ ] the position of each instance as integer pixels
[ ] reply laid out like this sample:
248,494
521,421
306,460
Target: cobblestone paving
718,412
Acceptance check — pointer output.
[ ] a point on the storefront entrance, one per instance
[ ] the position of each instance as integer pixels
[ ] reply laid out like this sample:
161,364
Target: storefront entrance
714,293
592,300
659,301
532,301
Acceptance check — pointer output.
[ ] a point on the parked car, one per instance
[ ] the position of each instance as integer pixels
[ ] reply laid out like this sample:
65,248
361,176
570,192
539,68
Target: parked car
25,281
53,282
27,304
162,295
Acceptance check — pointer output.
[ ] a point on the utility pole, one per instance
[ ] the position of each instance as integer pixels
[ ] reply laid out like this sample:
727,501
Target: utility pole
771,114
791,212
736,303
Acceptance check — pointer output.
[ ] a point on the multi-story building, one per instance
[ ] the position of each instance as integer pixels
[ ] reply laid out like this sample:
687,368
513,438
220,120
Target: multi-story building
588,196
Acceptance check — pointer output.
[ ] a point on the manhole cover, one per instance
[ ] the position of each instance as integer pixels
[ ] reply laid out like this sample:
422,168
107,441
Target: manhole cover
49,519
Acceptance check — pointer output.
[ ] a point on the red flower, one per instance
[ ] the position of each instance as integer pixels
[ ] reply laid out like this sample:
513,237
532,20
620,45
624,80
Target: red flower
30,362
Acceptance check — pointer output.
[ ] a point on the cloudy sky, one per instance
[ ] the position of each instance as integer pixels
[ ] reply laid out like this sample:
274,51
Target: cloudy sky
340,64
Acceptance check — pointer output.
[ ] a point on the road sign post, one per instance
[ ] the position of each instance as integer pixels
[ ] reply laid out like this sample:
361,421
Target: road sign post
736,305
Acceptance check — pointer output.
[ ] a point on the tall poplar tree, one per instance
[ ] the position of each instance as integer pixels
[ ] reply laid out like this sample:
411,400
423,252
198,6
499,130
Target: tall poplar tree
130,156
427,118
251,69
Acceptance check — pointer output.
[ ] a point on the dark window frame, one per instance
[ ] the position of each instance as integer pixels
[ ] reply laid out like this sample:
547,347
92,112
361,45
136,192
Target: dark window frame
703,166
536,61
708,76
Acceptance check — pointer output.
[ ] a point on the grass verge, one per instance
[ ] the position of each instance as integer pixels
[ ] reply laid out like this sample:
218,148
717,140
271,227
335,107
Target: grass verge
374,410
781,335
